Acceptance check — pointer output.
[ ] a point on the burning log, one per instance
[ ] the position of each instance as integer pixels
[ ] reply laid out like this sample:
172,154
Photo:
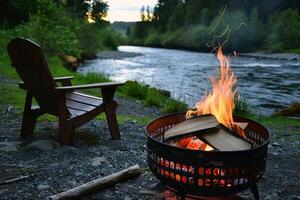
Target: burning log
208,132
193,125
224,140
98,184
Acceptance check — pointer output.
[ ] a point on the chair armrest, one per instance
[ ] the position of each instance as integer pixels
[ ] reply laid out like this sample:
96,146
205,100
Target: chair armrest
88,86
63,78
65,81
21,85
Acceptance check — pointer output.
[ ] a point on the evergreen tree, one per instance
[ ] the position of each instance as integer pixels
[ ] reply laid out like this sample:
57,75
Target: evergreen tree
99,10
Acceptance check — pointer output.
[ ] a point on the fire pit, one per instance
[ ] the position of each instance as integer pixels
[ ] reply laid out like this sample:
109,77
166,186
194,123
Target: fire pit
192,173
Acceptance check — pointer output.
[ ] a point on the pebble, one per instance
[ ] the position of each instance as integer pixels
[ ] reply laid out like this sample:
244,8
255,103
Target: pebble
98,161
127,197
275,144
42,187
9,146
42,145
273,196
294,197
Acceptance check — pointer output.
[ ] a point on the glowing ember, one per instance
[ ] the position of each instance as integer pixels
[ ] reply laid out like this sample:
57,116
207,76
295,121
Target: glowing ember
220,101
196,144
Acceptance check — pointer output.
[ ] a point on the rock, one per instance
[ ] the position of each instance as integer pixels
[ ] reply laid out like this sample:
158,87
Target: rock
98,161
9,146
294,197
69,61
42,145
291,111
273,196
43,187
127,197
275,144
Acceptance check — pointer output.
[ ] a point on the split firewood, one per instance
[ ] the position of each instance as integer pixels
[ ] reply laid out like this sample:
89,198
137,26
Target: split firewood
224,140
98,184
189,126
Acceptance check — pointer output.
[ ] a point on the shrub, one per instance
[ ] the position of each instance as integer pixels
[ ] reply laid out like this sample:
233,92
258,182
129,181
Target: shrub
153,98
153,39
53,38
241,105
172,105
135,90
285,30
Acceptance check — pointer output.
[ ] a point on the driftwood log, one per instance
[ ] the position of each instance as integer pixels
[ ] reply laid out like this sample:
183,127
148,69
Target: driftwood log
98,184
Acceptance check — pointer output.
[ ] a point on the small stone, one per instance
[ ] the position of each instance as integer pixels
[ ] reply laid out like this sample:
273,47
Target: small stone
127,197
78,173
43,187
43,145
9,146
275,154
273,196
98,161
275,144
280,150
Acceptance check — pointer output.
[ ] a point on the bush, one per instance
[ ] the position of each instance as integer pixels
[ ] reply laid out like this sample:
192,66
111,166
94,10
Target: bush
285,30
153,98
196,38
53,38
241,105
172,105
153,39
135,90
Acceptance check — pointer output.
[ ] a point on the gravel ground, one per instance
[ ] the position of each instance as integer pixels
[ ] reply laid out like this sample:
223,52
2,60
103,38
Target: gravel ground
55,169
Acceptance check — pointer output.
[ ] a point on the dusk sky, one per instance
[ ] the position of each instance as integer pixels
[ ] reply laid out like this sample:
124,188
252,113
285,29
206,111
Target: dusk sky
127,10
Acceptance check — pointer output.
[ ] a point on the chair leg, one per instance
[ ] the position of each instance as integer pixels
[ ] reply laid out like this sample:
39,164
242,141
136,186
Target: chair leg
110,112
28,123
29,118
66,131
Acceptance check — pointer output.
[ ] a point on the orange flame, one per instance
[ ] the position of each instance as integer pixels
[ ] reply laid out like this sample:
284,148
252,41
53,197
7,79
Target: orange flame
220,101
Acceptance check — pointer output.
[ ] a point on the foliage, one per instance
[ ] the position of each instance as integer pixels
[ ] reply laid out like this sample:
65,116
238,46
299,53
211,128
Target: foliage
99,10
171,106
194,24
285,30
60,27
56,38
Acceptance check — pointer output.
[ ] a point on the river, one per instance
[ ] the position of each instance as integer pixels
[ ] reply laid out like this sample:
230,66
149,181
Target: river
267,84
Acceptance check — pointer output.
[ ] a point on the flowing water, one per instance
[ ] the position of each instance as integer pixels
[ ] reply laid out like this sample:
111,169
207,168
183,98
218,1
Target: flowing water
267,84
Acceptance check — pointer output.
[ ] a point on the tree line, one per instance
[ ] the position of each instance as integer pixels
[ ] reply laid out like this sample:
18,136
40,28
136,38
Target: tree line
72,27
247,25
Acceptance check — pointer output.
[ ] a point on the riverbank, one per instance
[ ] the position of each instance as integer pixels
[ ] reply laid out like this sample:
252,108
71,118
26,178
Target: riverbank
276,56
52,169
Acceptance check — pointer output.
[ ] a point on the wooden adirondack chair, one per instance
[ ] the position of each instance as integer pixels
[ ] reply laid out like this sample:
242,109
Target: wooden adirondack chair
72,108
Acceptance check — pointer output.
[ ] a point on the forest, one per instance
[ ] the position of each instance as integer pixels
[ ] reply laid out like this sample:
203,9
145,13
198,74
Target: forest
248,25
69,27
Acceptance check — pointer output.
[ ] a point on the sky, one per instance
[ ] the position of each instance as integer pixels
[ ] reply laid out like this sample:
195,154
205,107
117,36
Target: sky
127,10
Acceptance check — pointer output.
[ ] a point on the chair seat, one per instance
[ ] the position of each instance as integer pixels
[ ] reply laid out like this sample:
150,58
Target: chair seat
80,103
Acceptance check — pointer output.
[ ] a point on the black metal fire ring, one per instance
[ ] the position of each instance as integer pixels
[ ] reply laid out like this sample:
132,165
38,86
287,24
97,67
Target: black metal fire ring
204,173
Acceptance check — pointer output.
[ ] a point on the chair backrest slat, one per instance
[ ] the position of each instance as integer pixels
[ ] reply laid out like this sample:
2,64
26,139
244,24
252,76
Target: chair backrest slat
28,59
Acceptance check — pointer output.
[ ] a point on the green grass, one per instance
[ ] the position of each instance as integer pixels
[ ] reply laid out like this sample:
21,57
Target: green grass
11,95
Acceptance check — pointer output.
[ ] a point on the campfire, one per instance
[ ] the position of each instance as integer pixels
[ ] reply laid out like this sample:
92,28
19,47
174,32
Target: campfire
216,112
208,151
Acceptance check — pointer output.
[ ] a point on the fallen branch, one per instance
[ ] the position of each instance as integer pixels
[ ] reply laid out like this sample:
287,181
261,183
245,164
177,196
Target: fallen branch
15,179
98,184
